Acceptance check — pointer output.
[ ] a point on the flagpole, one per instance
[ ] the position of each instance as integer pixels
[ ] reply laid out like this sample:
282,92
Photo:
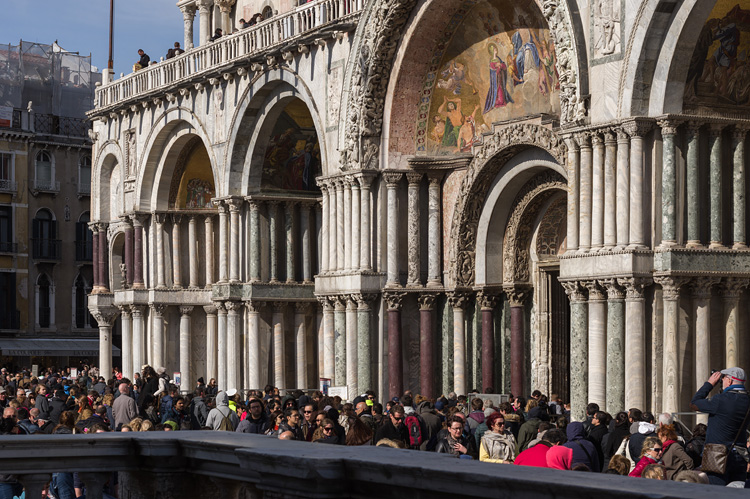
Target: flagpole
110,64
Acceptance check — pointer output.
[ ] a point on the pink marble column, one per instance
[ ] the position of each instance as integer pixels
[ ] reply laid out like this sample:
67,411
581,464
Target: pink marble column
95,256
103,259
138,282
395,361
488,301
516,297
426,345
129,255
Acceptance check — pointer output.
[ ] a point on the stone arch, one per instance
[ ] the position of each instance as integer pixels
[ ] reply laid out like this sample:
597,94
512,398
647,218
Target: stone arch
493,155
260,103
107,157
159,159
116,258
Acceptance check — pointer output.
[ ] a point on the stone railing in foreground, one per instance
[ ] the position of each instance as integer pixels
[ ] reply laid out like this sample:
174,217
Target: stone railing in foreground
230,465
265,36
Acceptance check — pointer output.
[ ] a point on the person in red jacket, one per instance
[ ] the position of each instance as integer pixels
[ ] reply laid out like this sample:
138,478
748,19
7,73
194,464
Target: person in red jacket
650,454
537,455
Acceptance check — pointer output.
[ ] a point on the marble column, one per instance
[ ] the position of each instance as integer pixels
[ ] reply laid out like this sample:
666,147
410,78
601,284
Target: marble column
394,301
339,325
693,185
715,187
235,205
253,344
104,258
731,290
739,203
333,243
597,196
669,185
301,311
126,350
291,239
586,192
223,242
364,348
209,237
273,239
94,228
188,16
392,179
610,190
517,298
157,346
129,253
212,370
204,17
186,384
365,248
427,352
414,278
193,252
701,294
597,344
139,344
234,333
671,367
574,189
221,343
352,348
138,282
622,210
305,211
356,224
176,252
279,364
340,229
347,183
635,342
434,279
579,396
615,347
488,302
255,251
329,335
325,227
637,131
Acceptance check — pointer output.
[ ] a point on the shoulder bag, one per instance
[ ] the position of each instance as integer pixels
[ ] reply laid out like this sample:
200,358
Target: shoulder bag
715,455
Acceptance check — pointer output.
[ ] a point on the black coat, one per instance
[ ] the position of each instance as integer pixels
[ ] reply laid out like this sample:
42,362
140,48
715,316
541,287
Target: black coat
387,430
56,407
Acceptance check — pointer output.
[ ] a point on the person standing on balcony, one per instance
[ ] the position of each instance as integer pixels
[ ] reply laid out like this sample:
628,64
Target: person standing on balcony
177,50
143,61
217,34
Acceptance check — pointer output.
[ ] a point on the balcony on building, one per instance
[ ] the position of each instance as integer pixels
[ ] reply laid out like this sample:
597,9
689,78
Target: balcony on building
8,247
84,188
46,249
84,251
44,185
8,186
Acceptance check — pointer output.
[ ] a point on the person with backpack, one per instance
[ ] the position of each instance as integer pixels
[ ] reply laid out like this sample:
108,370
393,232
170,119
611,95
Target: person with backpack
222,417
414,424
394,428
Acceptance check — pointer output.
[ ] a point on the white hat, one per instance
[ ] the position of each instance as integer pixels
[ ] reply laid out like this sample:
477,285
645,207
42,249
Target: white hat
231,392
736,373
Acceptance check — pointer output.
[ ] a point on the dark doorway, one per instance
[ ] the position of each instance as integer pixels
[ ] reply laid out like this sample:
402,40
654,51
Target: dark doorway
560,334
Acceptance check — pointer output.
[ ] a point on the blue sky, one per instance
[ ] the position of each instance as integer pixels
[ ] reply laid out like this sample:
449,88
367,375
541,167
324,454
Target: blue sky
83,26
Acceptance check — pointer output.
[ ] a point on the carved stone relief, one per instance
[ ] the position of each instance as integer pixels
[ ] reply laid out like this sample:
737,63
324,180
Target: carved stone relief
606,24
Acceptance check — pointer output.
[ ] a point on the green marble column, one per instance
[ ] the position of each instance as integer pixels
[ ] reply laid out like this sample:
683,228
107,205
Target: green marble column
715,187
668,182
739,202
693,187
578,350
615,347
364,349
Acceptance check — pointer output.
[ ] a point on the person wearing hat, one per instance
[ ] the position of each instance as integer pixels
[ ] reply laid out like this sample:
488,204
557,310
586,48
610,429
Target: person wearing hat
727,418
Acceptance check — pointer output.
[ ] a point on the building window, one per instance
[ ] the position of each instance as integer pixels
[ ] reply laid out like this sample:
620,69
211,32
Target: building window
6,173
84,175
44,309
45,173
84,239
44,230
6,230
83,318
9,315
267,12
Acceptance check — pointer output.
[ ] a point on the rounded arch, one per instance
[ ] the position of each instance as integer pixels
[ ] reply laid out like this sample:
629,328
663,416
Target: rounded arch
253,121
44,213
493,155
85,216
108,156
116,258
175,128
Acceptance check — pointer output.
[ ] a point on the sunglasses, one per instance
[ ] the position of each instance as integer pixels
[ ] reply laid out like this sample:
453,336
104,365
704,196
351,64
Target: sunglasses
307,412
657,449
397,419
327,429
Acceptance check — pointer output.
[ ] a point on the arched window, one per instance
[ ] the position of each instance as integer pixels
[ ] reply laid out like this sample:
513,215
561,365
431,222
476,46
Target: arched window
46,245
267,12
80,302
43,303
45,177
84,175
84,238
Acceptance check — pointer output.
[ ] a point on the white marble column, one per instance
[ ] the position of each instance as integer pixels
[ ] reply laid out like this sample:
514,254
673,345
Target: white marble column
356,223
161,278
186,384
279,366
434,278
458,302
587,165
305,211
301,311
731,290
333,249
610,190
597,344
193,253
234,333
212,370
352,361
221,379
139,345
126,350
348,223
324,253
597,197
637,131
392,179
671,367
716,219
615,347
574,164
204,18
255,251
414,278
253,344
622,210
223,242
701,294
635,342
104,320
209,236
188,16
340,229
273,240
739,202
365,247
157,313
176,252
364,348
329,358
234,254
291,241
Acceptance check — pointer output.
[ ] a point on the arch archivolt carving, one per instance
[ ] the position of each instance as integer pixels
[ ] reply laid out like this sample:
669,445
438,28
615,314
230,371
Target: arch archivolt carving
494,152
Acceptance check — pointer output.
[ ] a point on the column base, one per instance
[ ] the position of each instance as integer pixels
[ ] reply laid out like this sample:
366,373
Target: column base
694,245
414,285
608,247
716,245
177,287
194,288
161,286
274,281
234,281
139,285
307,281
636,246
620,247
667,244
291,281
434,284
739,246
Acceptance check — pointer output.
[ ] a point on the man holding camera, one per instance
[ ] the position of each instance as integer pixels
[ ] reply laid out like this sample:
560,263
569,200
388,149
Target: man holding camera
727,419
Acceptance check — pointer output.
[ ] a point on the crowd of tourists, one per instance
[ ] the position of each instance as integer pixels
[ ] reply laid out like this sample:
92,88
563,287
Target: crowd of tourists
537,431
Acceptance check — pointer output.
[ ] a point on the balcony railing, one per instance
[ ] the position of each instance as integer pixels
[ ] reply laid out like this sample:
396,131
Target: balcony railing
84,251
45,185
61,125
46,249
84,187
271,33
8,247
8,185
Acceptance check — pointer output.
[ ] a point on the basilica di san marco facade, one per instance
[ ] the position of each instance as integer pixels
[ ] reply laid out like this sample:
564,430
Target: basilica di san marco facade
433,195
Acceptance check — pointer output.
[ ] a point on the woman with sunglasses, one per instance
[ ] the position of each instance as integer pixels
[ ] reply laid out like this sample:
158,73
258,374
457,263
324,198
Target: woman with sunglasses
650,454
328,430
497,445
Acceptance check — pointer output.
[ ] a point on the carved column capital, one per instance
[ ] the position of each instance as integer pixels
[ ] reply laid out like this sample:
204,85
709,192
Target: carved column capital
325,302
302,307
235,204
701,286
158,309
392,178
233,307
220,307
186,310
670,286
365,179
458,299
104,316
124,309
596,139
176,218
394,299
732,287
488,299
210,309
426,301
634,286
516,295
622,136
221,205
583,139
188,12
668,127
615,290
693,127
137,310
413,177
739,132
254,305
159,218
610,137
715,129
637,128
596,291
364,300
339,302
225,5
435,178
575,291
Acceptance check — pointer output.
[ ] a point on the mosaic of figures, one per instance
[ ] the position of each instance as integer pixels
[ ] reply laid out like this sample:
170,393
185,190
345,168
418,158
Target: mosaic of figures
499,64
719,73
199,194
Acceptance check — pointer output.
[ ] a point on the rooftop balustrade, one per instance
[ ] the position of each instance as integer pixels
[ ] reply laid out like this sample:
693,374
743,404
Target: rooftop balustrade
228,50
